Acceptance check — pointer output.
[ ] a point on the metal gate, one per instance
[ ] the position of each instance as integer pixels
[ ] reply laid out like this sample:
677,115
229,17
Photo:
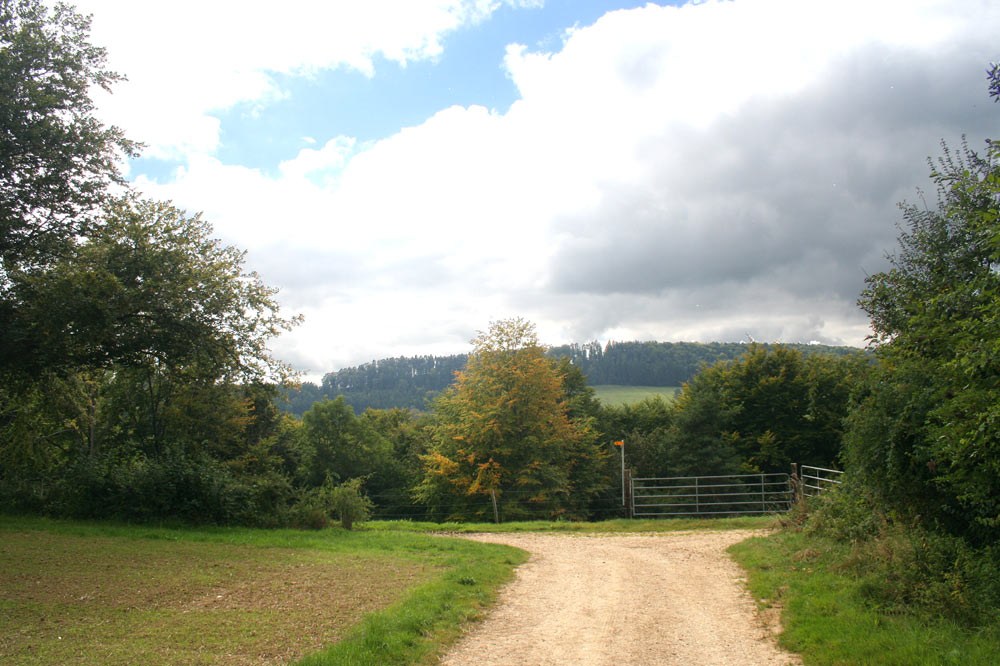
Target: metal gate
817,479
711,495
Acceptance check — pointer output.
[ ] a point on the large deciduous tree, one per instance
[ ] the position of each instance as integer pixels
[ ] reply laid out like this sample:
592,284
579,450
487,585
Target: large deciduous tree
503,429
134,369
56,159
58,162
759,413
151,287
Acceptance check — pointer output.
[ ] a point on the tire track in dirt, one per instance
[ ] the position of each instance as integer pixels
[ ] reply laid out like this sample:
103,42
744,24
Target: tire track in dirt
596,600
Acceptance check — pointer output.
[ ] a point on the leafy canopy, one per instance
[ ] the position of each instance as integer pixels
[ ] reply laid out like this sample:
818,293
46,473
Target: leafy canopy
57,160
925,431
149,287
503,429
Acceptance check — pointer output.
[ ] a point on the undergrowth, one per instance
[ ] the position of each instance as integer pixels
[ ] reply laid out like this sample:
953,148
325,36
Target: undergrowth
857,585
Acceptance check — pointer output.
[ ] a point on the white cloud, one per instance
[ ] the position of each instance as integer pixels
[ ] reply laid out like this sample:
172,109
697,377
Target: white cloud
188,57
671,173
321,165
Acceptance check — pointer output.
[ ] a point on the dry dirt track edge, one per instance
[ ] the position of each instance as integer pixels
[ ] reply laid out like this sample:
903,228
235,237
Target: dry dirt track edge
603,600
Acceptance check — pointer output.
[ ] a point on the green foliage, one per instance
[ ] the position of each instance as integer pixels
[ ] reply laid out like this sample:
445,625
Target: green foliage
924,431
342,446
579,397
151,288
407,383
905,567
299,398
134,370
56,160
315,506
835,612
758,413
663,363
411,383
409,435
152,489
349,504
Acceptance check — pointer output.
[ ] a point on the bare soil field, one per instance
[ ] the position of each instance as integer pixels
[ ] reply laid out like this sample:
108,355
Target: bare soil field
649,600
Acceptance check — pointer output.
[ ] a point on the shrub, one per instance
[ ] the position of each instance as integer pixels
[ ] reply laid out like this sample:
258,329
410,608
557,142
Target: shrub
175,487
349,504
906,567
316,505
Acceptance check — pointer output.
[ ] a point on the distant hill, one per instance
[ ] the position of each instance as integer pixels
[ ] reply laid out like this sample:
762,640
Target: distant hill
409,382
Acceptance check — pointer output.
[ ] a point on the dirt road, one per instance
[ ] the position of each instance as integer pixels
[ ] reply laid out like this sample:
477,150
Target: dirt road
598,600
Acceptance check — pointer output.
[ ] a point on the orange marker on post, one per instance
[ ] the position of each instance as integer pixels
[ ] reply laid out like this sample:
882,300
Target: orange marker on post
621,443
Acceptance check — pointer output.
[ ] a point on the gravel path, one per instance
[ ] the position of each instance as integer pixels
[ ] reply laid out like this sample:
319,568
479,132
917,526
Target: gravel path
600,600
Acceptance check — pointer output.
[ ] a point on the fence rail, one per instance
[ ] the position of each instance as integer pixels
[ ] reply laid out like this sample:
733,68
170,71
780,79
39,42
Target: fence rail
817,479
711,495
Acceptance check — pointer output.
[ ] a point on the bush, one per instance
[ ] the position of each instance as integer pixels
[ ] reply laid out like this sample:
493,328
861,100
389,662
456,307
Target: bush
175,487
905,566
349,504
845,513
315,506
910,569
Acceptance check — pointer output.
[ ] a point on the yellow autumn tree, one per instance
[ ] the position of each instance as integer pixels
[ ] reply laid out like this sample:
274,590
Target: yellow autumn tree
502,430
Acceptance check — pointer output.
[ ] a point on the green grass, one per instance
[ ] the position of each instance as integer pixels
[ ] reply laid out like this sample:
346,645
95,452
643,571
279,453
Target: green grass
76,592
79,593
602,527
614,395
827,619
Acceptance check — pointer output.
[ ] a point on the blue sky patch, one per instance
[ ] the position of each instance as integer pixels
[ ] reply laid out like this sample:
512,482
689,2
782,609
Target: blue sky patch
345,102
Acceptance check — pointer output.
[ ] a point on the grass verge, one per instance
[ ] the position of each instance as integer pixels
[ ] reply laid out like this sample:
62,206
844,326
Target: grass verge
603,527
829,619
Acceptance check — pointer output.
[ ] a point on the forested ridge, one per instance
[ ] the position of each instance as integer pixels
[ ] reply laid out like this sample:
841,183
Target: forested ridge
410,382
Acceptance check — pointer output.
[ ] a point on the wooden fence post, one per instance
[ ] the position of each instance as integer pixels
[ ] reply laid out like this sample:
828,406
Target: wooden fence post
796,484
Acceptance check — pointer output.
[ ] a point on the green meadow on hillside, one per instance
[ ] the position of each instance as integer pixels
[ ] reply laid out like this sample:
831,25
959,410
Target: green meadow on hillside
615,395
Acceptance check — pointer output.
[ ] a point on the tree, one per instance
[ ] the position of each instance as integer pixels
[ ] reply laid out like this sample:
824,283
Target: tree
57,160
150,288
924,430
171,311
761,412
341,446
134,369
147,340
503,430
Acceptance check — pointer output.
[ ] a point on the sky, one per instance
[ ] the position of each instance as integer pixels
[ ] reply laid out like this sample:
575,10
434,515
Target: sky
407,171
